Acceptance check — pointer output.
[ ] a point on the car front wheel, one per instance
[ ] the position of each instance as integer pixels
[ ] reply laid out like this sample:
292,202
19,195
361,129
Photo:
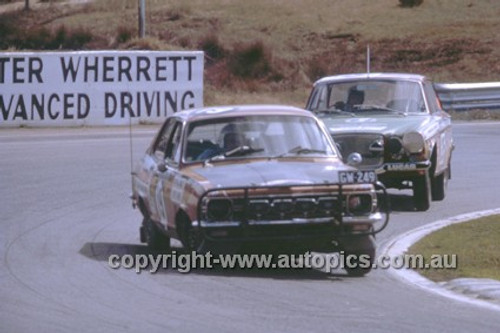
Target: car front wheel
359,255
153,236
439,186
192,238
422,192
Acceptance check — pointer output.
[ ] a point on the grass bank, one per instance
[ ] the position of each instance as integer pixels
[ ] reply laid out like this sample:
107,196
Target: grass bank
476,245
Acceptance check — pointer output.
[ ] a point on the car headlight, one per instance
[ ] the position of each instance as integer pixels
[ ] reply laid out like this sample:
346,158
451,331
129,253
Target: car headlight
413,142
305,206
219,209
359,204
394,146
282,206
328,205
258,208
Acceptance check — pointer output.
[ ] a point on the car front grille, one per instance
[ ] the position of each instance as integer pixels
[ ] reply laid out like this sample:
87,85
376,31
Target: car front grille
370,146
296,204
286,208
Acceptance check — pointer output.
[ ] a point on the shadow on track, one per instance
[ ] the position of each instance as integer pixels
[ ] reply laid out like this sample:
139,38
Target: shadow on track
402,202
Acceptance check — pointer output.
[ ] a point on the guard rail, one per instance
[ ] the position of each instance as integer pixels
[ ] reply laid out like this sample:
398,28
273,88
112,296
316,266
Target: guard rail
469,96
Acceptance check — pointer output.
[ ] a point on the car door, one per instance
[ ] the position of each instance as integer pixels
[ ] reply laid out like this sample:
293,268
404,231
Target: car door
166,156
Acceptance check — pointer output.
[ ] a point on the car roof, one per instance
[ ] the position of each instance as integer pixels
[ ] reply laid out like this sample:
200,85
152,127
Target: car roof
240,110
369,76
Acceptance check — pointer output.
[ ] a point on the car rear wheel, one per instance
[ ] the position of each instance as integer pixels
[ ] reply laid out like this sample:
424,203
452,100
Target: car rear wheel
422,192
153,236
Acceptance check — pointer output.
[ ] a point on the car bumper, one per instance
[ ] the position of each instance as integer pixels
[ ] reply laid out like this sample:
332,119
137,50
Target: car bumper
287,230
403,167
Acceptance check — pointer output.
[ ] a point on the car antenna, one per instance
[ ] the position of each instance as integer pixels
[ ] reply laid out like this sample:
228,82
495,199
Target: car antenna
368,60
131,152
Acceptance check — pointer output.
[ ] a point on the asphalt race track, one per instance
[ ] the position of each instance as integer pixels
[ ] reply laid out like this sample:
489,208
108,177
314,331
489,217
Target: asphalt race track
65,208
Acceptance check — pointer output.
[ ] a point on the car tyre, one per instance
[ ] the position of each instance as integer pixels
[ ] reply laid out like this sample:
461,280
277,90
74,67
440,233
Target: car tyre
154,237
192,238
422,192
195,241
359,255
439,186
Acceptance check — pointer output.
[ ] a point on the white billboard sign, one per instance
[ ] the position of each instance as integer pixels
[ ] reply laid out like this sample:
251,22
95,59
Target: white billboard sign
97,87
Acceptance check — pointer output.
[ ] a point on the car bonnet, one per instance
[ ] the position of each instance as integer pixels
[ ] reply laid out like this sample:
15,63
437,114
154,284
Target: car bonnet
268,172
387,125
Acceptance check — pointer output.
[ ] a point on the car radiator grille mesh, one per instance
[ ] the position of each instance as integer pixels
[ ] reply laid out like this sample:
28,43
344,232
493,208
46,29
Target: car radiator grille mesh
370,146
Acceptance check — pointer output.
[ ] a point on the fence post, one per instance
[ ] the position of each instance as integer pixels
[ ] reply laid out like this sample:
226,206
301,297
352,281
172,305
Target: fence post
142,18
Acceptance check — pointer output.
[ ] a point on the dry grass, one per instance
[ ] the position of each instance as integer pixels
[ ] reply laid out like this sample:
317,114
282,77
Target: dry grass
448,40
474,115
475,244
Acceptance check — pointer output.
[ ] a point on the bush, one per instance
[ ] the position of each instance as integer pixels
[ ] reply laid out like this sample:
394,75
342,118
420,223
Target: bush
410,3
32,39
178,12
212,47
41,38
7,32
318,67
65,39
146,43
250,61
124,34
77,39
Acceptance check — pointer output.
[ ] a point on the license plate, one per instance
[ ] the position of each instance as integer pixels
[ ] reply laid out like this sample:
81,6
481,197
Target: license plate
357,177
401,167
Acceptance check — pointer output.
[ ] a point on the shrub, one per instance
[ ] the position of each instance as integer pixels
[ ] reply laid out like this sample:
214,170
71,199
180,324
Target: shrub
250,60
34,39
77,39
147,43
178,12
212,47
41,38
318,67
124,34
410,3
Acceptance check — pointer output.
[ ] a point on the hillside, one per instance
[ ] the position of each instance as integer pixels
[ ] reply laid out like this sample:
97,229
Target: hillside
272,51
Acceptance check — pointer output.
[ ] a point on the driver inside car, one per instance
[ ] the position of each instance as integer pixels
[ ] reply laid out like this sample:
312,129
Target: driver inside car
230,137
355,97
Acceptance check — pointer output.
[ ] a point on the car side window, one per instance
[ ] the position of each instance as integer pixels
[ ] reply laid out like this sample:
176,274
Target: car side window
172,151
161,142
318,98
313,99
168,142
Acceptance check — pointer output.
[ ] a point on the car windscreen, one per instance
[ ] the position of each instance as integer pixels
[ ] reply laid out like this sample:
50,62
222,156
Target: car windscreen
368,95
259,136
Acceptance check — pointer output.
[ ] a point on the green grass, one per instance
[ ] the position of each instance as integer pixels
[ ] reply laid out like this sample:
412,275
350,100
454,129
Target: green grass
476,245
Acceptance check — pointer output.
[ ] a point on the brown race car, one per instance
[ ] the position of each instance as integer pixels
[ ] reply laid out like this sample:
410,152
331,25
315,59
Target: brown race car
255,174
